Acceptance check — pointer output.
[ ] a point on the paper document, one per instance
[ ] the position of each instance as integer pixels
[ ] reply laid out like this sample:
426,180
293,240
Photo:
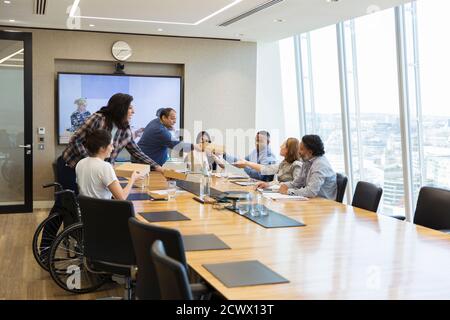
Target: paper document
279,196
245,183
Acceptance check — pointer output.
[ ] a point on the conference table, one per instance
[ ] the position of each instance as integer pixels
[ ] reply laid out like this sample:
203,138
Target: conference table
342,253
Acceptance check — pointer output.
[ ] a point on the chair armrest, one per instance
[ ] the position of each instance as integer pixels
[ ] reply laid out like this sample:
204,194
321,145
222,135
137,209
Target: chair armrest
199,289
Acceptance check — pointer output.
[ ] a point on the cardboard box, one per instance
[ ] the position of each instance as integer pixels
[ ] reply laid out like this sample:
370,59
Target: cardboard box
126,169
172,174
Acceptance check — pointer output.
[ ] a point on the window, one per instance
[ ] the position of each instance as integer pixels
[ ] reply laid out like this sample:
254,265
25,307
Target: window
371,62
373,114
320,74
428,69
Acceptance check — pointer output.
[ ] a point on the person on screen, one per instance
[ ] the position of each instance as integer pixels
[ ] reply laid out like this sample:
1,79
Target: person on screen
157,138
115,118
288,170
96,177
79,116
317,178
262,155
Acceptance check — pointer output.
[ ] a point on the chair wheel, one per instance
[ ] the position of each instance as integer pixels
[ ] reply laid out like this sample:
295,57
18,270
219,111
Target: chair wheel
44,236
67,263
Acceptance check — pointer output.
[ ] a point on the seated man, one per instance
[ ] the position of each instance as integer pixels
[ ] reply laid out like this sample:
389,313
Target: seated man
96,177
317,178
261,155
157,138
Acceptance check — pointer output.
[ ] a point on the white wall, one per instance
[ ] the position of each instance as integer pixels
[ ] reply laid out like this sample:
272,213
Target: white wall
269,95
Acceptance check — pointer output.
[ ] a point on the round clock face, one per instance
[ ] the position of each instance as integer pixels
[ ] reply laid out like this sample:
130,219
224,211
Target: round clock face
121,50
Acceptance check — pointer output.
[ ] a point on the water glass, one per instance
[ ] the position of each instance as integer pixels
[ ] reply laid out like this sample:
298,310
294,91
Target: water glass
171,189
144,183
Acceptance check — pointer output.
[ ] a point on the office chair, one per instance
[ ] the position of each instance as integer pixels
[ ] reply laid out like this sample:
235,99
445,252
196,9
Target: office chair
367,196
171,274
341,182
433,209
143,236
107,244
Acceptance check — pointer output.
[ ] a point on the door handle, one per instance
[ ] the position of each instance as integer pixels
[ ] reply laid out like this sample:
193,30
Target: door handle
27,146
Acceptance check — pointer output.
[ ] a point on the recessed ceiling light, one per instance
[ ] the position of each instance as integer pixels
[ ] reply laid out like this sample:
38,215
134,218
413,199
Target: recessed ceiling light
12,20
92,25
278,20
160,29
7,1
330,1
77,2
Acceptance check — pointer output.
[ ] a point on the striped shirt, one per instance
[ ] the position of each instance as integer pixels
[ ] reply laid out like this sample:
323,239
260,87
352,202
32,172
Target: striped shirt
123,138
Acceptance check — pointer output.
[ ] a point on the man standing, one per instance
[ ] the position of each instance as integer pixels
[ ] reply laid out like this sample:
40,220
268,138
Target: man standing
157,138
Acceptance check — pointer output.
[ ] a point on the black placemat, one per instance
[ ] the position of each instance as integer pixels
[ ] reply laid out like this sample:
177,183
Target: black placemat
162,216
244,273
273,219
200,242
138,196
124,184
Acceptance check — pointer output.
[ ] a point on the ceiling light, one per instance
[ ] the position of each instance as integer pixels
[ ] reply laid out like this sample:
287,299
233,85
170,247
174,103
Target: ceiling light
12,20
92,25
77,2
278,20
330,1
7,1
160,29
239,35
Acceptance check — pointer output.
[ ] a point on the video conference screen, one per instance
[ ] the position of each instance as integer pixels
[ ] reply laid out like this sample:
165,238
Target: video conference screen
81,95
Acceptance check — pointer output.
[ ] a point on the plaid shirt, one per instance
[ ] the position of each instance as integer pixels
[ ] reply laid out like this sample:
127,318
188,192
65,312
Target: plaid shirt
123,138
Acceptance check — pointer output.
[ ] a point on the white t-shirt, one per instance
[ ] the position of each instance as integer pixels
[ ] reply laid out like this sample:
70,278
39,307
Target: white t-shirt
94,176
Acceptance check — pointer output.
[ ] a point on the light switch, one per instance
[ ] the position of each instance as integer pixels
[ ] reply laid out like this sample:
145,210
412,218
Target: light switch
41,130
41,146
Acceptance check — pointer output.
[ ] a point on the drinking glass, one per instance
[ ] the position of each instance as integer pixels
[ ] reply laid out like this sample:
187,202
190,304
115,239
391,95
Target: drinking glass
171,189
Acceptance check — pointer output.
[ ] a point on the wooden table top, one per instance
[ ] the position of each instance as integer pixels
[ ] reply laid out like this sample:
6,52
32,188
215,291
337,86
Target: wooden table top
341,253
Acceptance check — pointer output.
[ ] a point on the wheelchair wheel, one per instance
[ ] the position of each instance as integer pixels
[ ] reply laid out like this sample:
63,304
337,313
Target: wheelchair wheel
45,234
67,263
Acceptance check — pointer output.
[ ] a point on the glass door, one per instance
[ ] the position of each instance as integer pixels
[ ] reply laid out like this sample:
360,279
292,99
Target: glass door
16,151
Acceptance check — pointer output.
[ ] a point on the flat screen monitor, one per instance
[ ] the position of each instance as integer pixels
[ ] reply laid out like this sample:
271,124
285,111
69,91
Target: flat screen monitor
80,95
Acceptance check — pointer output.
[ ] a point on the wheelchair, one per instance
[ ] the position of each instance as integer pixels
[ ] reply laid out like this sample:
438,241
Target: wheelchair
64,213
69,267
58,245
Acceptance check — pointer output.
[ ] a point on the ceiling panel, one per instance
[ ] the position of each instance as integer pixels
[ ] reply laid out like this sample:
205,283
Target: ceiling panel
298,16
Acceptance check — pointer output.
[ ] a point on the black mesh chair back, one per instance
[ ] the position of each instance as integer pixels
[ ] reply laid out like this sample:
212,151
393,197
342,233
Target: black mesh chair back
106,237
433,208
367,196
341,185
172,275
143,236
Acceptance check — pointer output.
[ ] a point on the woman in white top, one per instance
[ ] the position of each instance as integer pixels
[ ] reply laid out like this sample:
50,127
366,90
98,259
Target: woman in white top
96,177
286,171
